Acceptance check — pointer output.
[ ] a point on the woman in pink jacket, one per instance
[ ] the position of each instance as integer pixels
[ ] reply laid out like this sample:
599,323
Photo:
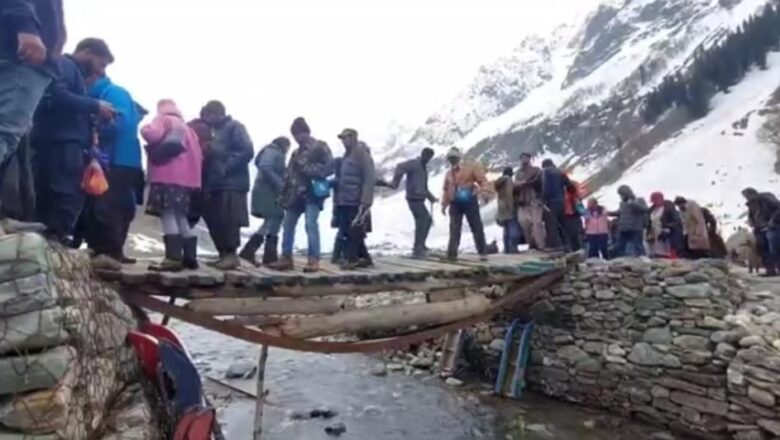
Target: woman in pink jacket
597,230
174,167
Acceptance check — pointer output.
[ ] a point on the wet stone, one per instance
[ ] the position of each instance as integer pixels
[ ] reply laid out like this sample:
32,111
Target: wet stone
701,404
605,295
761,397
690,291
644,354
696,277
725,351
751,341
572,354
660,336
689,342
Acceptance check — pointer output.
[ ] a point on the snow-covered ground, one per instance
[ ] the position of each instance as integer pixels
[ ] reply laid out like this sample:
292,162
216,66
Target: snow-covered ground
710,161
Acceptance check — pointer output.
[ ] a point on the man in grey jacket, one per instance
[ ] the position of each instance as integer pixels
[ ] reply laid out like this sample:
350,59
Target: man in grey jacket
417,192
632,219
354,198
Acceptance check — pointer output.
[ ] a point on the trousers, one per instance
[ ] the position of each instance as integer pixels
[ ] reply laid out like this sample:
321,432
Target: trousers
111,214
470,210
58,169
422,223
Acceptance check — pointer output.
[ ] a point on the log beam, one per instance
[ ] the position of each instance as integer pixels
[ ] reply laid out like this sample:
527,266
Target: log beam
267,306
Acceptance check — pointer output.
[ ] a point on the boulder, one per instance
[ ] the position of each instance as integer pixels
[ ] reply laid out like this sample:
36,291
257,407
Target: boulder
35,372
690,291
571,353
659,336
644,354
761,397
605,294
701,404
751,341
39,412
32,331
773,426
689,342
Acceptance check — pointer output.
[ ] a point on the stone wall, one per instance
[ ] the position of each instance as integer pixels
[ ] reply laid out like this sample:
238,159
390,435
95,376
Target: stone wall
65,372
670,343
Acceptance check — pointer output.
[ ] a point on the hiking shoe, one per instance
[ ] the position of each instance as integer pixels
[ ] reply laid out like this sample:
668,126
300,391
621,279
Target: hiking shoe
270,250
228,262
124,259
348,265
105,262
284,264
312,266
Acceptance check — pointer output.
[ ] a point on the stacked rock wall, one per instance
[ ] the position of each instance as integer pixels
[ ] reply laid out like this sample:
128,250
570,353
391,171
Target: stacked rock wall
63,361
660,341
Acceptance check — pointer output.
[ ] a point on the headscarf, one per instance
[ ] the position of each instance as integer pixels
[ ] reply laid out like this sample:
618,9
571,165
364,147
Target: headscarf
657,198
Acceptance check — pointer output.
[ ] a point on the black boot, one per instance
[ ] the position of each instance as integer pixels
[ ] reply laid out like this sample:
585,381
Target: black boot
190,251
270,251
173,255
250,249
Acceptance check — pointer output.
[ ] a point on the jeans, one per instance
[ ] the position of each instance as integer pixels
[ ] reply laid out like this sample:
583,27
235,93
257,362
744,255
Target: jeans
470,210
422,224
21,89
58,171
598,246
291,216
511,236
771,257
630,244
270,227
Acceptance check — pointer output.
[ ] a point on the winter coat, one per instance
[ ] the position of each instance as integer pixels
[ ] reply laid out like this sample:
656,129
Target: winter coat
271,172
717,245
506,201
416,179
671,221
764,211
463,175
528,185
313,161
572,198
119,138
596,222
554,186
184,169
357,177
695,227
64,113
226,166
632,215
44,18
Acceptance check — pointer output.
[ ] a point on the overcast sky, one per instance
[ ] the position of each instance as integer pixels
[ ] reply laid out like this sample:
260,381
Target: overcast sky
339,63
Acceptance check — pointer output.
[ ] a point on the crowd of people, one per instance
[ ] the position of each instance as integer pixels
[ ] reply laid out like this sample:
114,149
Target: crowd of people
75,117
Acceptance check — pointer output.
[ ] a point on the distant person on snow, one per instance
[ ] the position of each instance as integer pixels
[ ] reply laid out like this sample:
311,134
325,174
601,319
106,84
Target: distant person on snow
175,162
226,183
764,218
555,183
271,172
530,210
697,240
417,193
305,191
506,216
597,230
631,224
665,229
461,184
353,199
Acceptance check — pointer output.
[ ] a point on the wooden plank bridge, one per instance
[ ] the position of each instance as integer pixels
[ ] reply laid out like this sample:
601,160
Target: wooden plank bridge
398,302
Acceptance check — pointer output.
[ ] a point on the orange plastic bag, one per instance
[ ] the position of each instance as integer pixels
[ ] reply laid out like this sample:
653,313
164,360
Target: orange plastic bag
94,181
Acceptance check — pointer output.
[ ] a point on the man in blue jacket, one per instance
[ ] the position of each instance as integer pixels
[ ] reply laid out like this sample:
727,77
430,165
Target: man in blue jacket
32,34
62,135
112,213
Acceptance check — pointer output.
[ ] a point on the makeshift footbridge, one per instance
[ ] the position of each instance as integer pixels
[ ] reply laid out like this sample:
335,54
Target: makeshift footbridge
398,302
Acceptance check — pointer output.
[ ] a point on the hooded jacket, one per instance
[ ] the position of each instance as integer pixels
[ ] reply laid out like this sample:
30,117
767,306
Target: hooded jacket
44,18
632,215
314,161
184,169
271,173
119,138
357,177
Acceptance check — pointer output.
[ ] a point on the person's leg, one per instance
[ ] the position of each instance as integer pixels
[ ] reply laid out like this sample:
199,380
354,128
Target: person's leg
347,215
456,226
603,244
249,251
525,220
288,235
313,230
21,89
213,219
270,250
63,195
189,242
172,239
592,246
422,224
474,219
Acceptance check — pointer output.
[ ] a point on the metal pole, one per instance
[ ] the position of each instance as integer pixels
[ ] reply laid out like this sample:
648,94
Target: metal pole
258,431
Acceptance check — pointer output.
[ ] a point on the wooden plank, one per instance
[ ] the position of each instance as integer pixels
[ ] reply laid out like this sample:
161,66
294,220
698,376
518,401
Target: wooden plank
383,318
264,276
438,267
317,278
174,279
268,306
256,321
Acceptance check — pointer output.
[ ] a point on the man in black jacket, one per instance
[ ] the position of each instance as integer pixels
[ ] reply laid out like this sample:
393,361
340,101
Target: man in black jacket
417,193
764,218
62,134
226,183
32,34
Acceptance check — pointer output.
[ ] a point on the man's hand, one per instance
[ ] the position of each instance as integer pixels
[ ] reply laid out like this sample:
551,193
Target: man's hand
31,49
106,111
433,199
444,210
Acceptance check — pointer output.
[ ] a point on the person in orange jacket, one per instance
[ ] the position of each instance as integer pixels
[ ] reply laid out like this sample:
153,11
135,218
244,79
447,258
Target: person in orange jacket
461,185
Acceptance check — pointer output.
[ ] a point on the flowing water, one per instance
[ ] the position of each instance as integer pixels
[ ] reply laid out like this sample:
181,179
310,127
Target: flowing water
392,407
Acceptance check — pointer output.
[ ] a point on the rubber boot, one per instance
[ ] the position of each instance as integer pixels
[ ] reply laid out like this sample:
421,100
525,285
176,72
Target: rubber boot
270,252
312,266
173,255
284,263
190,251
248,253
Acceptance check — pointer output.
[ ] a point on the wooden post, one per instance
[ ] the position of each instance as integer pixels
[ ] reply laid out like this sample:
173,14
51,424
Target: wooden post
258,432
